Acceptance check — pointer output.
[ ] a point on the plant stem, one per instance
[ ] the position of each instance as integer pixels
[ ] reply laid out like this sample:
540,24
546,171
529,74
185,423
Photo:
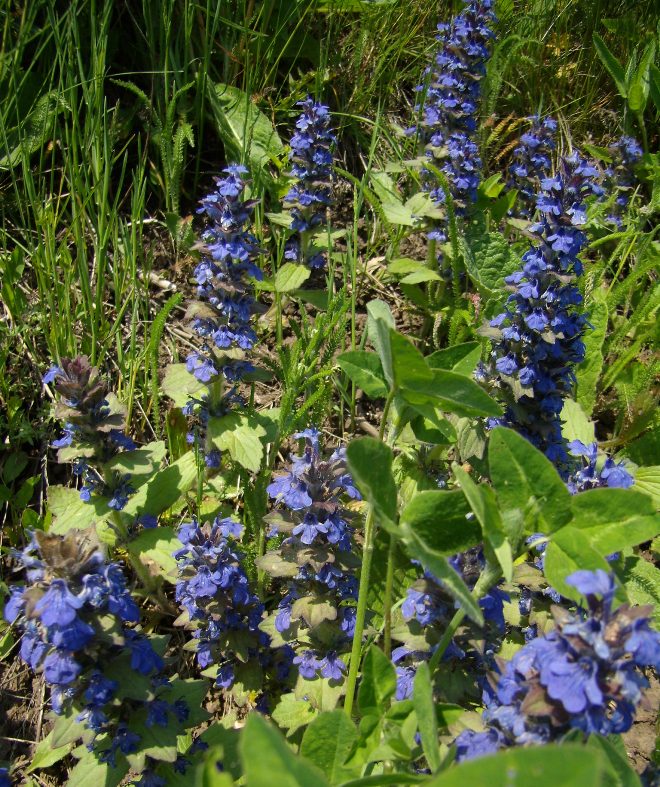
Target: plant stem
488,577
367,554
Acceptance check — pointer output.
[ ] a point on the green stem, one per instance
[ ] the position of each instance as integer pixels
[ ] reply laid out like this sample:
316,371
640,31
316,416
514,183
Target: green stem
367,554
488,577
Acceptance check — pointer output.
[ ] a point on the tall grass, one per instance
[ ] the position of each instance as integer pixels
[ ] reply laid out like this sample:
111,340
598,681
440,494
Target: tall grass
108,134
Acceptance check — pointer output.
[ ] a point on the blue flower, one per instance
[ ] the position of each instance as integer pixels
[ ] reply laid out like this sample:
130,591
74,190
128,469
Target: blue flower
332,667
100,689
588,476
222,316
144,658
308,664
33,648
470,743
532,162
60,668
58,605
157,713
584,674
71,636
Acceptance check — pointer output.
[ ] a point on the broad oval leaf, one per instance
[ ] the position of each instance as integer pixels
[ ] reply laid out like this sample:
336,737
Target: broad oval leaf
290,276
370,463
366,371
442,520
328,742
542,766
526,483
267,758
614,519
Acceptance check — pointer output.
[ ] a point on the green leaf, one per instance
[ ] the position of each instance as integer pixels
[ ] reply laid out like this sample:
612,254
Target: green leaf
542,766
616,760
370,464
441,520
154,548
408,364
402,266
492,186
612,65
46,754
377,684
452,393
379,323
290,713
641,580
366,371
588,372
427,718
647,480
569,551
243,128
239,435
420,276
268,760
614,519
290,277
163,490
576,424
180,385
34,128
527,485
66,729
638,91
211,776
70,512
459,358
141,461
422,206
327,743
489,258
89,772
398,214
484,504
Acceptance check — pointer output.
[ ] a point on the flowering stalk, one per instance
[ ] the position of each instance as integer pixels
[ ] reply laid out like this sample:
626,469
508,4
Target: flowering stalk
221,317
448,123
626,153
73,620
537,338
213,592
315,619
310,196
584,674
94,423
